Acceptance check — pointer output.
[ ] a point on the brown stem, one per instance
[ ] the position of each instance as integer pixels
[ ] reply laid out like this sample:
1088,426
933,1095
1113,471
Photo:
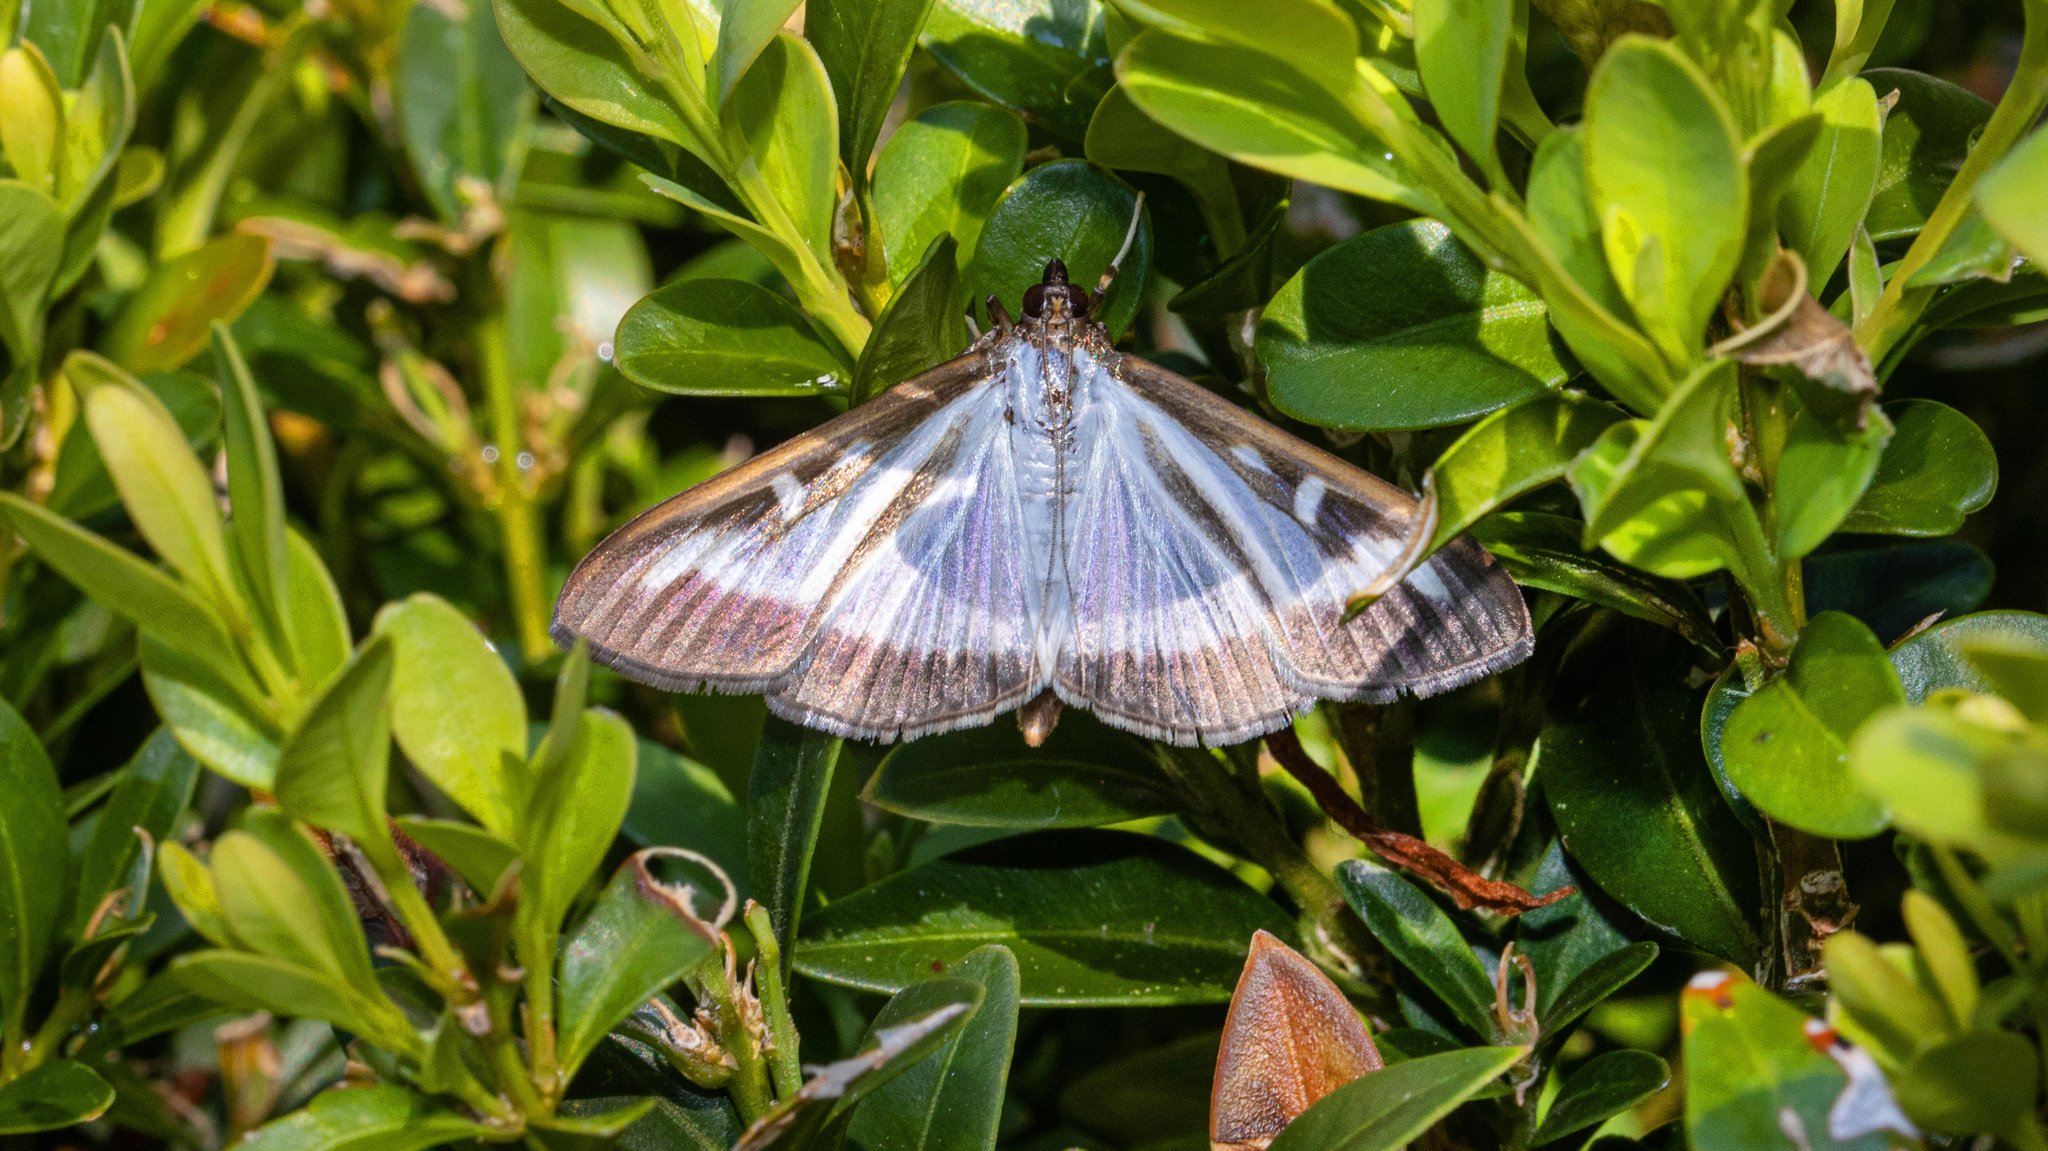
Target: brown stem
1813,900
1467,888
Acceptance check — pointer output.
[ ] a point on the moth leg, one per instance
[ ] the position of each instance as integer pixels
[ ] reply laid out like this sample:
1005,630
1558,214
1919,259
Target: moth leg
1109,273
998,315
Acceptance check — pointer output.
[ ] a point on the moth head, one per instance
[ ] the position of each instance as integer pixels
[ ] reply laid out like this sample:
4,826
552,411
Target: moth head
1052,298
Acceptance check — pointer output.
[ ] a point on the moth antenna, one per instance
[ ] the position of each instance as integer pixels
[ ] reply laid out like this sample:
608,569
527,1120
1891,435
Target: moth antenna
998,314
1130,238
1412,553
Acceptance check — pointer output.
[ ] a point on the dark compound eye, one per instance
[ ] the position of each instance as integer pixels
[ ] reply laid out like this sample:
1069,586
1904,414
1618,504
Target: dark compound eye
1034,302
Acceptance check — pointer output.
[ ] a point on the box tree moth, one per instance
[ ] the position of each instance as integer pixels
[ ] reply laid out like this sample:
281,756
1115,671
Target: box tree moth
1044,521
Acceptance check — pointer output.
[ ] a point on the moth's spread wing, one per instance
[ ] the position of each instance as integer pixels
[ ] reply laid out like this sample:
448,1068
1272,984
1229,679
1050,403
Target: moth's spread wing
864,576
1258,540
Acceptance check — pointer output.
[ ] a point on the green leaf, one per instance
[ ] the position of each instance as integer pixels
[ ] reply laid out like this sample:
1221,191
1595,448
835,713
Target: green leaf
1634,802
379,1117
1750,1070
281,897
1888,1001
786,794
2009,195
642,935
1388,1109
1261,110
31,247
952,1100
685,1117
941,174
1593,984
1927,765
865,45
189,885
906,1031
1123,920
1121,136
54,1095
1512,452
255,491
1787,746
212,715
1422,938
679,802
578,804
170,318
1895,588
460,100
1077,212
724,338
1980,1080
782,108
1568,937
313,612
923,326
1937,469
455,708
1461,50
33,142
1824,467
581,63
745,29
1927,135
1085,775
1827,198
1542,551
1047,59
1154,1093
35,880
1344,352
479,857
154,789
1672,244
162,1004
1602,1087
333,767
249,982
1973,251
1945,950
1939,656
165,490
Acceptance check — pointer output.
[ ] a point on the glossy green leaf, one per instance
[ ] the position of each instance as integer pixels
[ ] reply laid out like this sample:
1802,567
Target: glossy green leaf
906,1031
923,326
1568,937
786,794
1045,58
154,789
1927,134
460,98
281,897
1604,1086
1672,244
1156,1093
782,108
679,802
1786,746
333,767
189,884
1461,49
1543,551
1512,452
1123,920
1422,938
865,45
569,281
744,32
1388,1109
2009,196
1594,983
1945,950
1773,159
1824,468
34,879
1260,110
1888,1002
313,612
1896,588
1634,802
246,981
1928,766
941,174
1077,212
1121,136
379,1117
167,493
31,231
1827,198
1085,775
33,139
213,714
724,338
169,319
578,61
1973,251
455,708
1937,469
952,1100
578,804
55,1095
685,1117
643,934
255,491
1319,35
1939,656
1344,351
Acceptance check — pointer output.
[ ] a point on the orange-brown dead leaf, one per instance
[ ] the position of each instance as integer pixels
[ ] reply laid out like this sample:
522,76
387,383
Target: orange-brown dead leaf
1290,1039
